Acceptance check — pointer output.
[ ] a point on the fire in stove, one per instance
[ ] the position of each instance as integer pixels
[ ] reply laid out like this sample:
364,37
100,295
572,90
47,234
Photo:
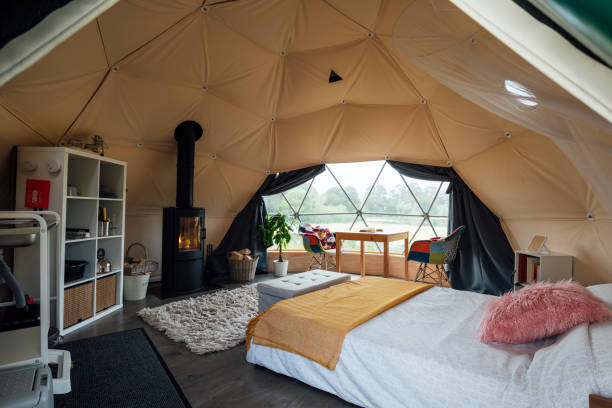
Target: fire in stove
190,234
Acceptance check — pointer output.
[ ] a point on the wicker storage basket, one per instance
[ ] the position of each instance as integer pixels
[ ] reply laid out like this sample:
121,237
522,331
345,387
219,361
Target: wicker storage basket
78,303
105,292
139,268
244,270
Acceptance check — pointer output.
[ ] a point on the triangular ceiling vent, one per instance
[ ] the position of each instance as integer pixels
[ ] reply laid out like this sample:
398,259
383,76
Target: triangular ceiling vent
334,77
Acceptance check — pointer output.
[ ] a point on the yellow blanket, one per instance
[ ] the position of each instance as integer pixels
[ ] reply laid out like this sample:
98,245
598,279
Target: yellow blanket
314,325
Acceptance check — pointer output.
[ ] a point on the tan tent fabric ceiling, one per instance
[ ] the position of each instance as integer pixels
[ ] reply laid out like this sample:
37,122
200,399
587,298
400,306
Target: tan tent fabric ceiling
255,73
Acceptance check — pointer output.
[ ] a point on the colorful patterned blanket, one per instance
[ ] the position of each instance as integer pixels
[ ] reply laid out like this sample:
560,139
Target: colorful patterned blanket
325,236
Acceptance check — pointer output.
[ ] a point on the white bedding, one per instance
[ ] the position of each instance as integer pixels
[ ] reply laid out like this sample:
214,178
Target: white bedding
425,353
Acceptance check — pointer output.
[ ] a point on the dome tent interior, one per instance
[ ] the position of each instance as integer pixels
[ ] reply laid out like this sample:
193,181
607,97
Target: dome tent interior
446,167
422,82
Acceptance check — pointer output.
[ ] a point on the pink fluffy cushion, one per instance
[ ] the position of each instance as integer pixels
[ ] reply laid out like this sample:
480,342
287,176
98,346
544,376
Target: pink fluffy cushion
540,310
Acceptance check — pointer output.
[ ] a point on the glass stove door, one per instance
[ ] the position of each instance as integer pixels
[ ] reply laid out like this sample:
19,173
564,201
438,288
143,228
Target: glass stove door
190,234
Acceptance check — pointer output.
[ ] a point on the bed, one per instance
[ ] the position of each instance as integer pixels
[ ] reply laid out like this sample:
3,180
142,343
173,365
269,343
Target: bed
425,352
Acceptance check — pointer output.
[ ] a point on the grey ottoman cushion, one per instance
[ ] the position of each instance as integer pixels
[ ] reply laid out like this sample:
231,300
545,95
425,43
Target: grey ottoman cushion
265,301
297,284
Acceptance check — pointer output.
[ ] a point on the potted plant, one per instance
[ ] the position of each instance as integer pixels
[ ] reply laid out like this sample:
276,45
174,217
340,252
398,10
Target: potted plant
276,230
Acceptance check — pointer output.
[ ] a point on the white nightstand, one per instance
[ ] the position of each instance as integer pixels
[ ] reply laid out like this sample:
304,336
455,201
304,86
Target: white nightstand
553,267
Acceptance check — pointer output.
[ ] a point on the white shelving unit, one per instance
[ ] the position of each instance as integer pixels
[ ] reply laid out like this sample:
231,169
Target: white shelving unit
100,182
553,266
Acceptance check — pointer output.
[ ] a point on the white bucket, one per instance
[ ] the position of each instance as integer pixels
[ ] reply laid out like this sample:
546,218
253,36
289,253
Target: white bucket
135,286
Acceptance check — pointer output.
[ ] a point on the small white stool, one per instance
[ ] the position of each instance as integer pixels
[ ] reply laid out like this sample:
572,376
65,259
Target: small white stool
297,284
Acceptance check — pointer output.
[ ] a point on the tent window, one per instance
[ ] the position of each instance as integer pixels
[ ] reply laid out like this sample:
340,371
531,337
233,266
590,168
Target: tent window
352,196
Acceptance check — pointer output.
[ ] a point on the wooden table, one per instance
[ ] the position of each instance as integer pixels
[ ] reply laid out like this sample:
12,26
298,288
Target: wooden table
383,237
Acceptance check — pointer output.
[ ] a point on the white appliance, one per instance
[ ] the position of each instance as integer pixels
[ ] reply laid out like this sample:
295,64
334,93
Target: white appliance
25,376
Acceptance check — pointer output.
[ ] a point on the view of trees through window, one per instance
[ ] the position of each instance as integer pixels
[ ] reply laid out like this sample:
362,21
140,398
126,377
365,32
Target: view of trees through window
353,196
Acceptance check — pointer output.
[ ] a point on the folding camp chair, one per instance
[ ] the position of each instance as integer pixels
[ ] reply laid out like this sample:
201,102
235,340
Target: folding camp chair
433,254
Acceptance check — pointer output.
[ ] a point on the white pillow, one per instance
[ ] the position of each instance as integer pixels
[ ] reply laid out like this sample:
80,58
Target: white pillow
603,291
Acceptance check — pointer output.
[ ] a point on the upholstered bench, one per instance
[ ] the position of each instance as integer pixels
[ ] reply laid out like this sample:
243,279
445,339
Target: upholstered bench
297,284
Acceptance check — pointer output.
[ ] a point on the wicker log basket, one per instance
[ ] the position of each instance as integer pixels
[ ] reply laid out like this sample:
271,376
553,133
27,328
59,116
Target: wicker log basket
139,265
242,266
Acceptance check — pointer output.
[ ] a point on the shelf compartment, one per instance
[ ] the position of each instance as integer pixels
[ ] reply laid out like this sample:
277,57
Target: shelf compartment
82,214
82,251
106,292
78,303
114,211
83,174
114,251
111,180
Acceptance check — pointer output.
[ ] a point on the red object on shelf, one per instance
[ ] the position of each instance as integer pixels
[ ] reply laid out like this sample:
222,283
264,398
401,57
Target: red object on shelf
37,193
522,268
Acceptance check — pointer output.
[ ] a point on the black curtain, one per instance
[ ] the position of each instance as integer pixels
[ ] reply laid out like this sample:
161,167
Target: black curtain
244,231
485,259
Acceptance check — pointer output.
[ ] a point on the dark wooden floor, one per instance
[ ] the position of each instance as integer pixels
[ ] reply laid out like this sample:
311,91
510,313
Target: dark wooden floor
222,379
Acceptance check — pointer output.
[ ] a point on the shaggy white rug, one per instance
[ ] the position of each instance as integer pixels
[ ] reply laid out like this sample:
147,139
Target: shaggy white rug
211,322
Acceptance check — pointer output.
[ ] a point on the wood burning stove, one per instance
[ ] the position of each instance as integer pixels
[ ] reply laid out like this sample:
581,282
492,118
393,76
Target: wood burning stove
183,251
184,231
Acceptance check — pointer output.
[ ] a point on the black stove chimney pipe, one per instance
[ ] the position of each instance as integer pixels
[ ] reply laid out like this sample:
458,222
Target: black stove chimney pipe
186,134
